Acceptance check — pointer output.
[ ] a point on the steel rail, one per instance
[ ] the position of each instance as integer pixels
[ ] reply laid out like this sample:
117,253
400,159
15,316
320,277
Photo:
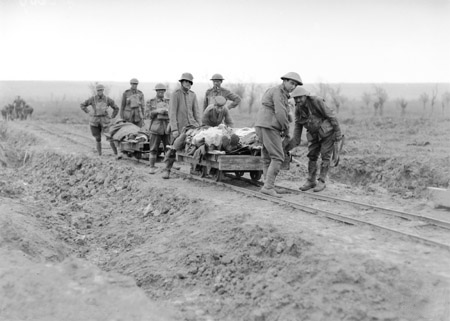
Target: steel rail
405,215
337,217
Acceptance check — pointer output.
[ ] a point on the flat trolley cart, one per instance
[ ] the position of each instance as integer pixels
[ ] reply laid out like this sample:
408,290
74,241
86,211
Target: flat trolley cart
133,148
216,163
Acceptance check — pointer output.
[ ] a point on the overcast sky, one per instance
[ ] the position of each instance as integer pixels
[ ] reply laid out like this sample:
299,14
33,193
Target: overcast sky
245,40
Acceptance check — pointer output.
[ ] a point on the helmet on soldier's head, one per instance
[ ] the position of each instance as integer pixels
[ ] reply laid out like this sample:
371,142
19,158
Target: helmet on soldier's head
293,76
217,77
187,76
99,87
160,86
134,81
220,100
299,91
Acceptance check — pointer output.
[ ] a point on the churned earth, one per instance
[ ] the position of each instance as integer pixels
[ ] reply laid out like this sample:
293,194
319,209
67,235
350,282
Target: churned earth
84,237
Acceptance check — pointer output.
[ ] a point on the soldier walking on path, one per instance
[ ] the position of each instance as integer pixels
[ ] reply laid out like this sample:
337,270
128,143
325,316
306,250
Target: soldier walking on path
216,113
158,113
272,125
323,131
218,90
100,120
183,112
19,104
132,108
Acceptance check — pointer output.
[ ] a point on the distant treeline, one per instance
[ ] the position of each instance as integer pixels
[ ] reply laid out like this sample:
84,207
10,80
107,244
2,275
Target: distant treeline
80,89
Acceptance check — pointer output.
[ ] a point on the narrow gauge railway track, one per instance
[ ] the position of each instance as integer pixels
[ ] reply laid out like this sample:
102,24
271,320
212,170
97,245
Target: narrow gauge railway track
415,227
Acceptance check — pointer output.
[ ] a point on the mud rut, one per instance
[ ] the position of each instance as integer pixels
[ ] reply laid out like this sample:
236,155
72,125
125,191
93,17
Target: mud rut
204,253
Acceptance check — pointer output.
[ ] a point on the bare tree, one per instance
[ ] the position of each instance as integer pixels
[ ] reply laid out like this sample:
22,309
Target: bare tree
381,97
252,95
323,90
366,98
445,101
424,97
433,98
402,103
336,97
238,89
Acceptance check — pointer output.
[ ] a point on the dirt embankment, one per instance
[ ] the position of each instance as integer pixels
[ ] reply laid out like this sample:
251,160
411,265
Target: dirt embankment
94,224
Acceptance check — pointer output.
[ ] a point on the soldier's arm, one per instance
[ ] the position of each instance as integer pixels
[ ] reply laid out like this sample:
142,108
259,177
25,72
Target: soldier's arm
205,118
112,104
298,129
142,104
123,105
196,111
280,109
236,100
173,108
84,105
328,113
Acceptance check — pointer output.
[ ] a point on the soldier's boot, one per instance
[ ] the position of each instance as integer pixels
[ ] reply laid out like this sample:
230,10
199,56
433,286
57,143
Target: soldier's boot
269,183
322,178
152,161
99,148
266,164
113,147
311,180
166,171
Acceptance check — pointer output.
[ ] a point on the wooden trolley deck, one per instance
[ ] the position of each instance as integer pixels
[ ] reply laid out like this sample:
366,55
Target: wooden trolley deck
216,164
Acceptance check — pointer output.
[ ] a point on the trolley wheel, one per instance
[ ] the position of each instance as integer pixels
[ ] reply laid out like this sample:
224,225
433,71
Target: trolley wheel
216,174
138,155
256,175
239,173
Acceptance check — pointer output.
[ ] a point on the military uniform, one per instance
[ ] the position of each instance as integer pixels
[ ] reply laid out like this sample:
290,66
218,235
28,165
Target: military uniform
213,117
323,131
183,110
19,104
99,118
155,103
213,92
158,113
132,108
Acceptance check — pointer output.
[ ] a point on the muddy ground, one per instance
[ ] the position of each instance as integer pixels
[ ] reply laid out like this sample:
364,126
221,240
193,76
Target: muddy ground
84,237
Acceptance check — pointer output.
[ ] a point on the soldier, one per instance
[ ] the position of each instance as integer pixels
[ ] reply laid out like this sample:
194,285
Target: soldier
158,113
158,101
100,120
27,111
5,113
183,112
217,90
19,103
217,113
323,131
272,124
132,108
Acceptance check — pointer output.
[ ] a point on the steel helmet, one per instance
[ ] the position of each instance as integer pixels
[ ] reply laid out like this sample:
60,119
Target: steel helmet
293,76
160,86
187,76
217,77
220,100
99,87
299,91
134,81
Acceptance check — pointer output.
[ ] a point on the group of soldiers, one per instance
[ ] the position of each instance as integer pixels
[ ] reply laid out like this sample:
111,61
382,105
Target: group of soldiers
19,109
171,118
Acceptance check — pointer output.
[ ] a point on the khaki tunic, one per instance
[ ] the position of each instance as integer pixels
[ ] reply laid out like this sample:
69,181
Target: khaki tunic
183,110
